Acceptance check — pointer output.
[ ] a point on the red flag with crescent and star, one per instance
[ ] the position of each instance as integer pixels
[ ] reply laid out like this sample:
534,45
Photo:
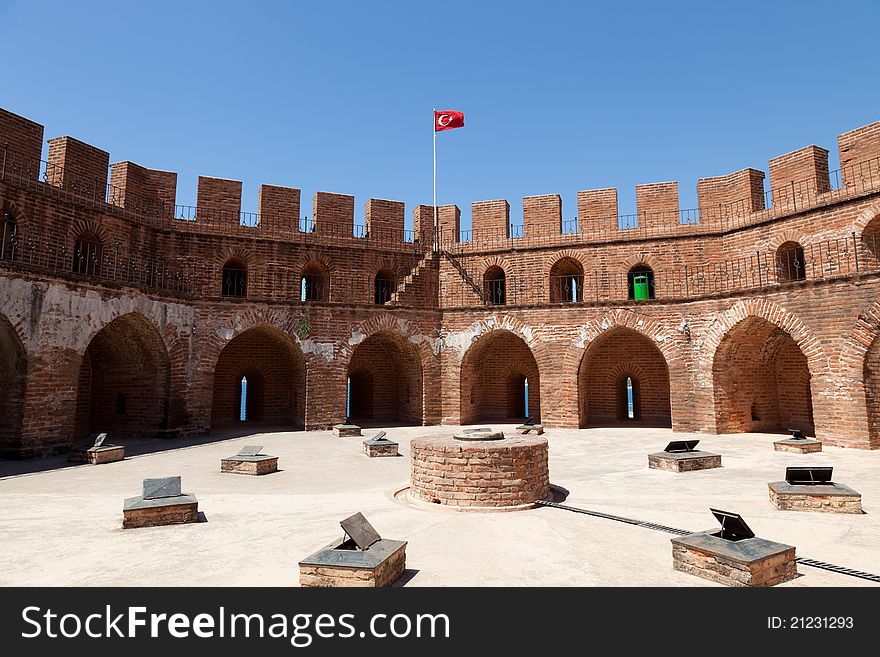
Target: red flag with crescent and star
448,120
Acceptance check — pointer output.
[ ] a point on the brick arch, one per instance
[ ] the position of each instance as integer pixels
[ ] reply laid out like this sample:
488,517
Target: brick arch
12,208
562,255
860,367
310,256
84,226
640,259
484,371
668,343
13,377
788,235
494,261
123,380
622,350
865,217
773,313
228,253
268,348
766,368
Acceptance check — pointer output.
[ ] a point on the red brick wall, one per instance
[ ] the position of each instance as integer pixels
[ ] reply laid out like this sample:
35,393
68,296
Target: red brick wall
278,208
135,187
384,219
116,397
276,378
597,210
333,214
491,380
78,167
799,176
542,215
13,374
619,354
386,381
735,194
859,151
491,219
657,205
25,145
219,200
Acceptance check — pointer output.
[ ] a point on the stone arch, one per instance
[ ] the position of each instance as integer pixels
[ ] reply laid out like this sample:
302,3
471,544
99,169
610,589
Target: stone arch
266,349
617,353
764,366
13,376
486,369
123,381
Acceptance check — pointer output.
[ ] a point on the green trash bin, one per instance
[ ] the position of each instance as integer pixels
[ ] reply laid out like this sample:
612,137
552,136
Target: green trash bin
640,287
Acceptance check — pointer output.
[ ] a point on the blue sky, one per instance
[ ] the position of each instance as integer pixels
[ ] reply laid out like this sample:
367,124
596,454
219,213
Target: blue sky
337,96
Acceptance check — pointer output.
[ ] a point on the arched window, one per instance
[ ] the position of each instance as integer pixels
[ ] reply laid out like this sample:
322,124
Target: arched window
315,284
384,286
495,286
9,237
640,283
790,263
566,281
88,253
234,281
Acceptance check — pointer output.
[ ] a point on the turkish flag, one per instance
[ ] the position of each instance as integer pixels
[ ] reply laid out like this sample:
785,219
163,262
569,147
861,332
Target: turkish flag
448,120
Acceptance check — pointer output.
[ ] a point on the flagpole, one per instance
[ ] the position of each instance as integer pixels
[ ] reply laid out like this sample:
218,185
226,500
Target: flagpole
434,129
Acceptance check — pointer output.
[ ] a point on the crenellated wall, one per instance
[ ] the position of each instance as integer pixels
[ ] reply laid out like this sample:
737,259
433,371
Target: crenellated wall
725,308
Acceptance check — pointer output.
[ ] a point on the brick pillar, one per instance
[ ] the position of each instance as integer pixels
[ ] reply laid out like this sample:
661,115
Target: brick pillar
657,205
798,178
333,214
490,220
219,201
384,220
542,215
597,211
78,167
22,140
278,209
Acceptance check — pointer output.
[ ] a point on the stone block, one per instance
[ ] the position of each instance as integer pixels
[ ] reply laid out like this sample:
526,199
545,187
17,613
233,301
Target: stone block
98,455
801,446
346,430
258,464
380,448
748,562
342,565
829,498
683,461
180,509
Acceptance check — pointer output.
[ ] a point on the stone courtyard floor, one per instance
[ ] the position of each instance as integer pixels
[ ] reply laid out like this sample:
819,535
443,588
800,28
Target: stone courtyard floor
61,524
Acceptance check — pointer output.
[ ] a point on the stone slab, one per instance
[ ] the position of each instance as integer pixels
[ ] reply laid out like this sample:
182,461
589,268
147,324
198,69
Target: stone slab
803,446
249,465
138,512
98,455
749,562
684,461
378,566
829,498
346,430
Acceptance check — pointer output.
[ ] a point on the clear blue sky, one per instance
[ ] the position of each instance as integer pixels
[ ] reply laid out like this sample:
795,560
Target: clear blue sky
337,96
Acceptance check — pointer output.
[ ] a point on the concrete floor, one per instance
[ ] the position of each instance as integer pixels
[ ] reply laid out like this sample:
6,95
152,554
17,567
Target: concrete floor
62,525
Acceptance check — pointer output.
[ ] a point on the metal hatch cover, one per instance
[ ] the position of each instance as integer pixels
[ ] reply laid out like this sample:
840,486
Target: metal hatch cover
360,531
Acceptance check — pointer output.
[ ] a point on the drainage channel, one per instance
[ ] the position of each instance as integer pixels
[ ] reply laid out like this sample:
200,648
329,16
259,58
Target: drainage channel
814,563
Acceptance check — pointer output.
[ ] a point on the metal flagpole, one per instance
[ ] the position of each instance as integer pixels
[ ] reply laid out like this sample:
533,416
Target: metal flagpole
434,129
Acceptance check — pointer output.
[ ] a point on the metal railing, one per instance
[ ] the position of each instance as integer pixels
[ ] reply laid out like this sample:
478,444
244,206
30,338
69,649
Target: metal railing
817,261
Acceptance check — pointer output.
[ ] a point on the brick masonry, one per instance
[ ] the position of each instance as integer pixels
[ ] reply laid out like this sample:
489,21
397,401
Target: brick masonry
709,564
385,574
776,355
255,467
156,516
681,463
512,472
835,498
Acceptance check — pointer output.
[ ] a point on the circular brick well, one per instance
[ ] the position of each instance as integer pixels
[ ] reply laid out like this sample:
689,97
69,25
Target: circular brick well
480,474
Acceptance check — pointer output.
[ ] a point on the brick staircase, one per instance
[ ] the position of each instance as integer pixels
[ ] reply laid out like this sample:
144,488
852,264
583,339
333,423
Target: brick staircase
413,282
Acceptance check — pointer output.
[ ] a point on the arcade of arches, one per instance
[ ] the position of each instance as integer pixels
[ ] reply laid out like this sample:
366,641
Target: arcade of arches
274,368
761,381
385,381
112,394
619,357
494,374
